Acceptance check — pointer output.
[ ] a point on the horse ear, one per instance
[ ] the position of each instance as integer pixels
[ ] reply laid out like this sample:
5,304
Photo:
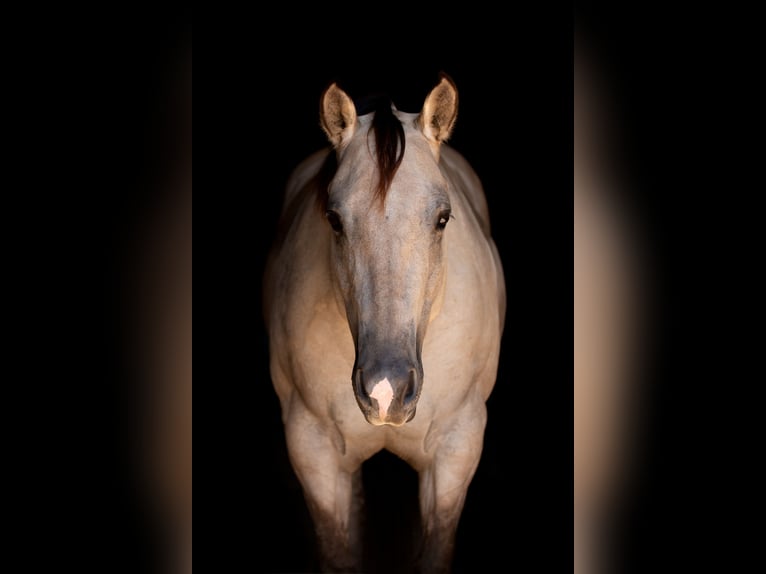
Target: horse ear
439,111
337,115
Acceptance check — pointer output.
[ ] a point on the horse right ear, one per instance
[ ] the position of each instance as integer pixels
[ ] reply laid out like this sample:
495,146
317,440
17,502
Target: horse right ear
337,115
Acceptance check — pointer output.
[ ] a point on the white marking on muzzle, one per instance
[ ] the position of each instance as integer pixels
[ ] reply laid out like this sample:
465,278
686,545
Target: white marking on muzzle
383,392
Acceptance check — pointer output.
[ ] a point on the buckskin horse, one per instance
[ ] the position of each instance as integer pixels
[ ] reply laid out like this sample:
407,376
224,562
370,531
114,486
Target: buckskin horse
384,294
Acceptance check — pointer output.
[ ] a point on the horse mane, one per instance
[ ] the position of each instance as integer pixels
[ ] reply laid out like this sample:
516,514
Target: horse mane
389,149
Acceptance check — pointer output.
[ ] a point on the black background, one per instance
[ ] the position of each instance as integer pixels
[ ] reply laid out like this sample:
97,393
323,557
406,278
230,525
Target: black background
515,127
502,132
89,104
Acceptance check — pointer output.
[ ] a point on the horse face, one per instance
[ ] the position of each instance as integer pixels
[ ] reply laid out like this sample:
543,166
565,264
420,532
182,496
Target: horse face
387,214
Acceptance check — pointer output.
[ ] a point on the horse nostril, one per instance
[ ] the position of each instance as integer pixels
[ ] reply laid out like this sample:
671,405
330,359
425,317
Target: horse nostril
359,389
410,390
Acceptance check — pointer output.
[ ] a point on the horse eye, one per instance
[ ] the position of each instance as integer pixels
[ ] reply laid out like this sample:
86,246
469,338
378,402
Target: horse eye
334,220
444,217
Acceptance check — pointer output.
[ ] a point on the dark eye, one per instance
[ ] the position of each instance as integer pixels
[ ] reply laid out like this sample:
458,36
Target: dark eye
334,220
444,217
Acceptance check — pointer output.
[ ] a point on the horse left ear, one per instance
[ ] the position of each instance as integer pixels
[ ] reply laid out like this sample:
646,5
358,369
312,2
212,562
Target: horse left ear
439,111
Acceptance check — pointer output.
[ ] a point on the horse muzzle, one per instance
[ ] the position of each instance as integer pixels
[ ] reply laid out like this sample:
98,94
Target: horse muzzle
388,394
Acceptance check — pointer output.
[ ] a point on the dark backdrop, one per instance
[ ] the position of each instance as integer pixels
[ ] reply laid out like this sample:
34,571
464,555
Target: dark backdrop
515,127
502,135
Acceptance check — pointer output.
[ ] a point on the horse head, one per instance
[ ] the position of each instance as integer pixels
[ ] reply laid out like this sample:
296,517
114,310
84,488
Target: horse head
387,208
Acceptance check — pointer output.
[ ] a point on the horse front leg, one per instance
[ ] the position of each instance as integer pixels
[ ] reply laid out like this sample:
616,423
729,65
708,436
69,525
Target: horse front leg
444,484
333,494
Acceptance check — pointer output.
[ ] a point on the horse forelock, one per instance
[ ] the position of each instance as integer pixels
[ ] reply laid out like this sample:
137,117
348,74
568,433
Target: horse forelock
389,146
389,136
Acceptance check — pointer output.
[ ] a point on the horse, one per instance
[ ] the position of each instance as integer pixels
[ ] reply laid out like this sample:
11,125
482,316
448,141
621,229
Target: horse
384,302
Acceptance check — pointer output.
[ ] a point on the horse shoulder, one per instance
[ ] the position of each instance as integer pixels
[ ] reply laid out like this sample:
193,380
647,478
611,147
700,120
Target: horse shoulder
467,183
